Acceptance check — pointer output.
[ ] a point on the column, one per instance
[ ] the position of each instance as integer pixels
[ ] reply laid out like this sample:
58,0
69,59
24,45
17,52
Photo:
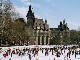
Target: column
48,40
40,40
36,41
44,40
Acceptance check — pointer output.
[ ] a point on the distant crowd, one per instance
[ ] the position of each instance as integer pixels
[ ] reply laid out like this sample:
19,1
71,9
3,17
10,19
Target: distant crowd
32,52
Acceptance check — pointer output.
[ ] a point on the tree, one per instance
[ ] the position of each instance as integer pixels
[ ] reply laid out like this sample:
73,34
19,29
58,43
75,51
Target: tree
73,36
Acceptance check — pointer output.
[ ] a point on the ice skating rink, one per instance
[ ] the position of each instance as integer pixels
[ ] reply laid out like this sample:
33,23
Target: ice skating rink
40,56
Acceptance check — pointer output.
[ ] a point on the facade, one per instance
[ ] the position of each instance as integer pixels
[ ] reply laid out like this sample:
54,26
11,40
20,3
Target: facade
40,28
45,35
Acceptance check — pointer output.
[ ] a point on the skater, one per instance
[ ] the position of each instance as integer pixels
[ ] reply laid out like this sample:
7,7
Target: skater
42,50
75,54
11,54
69,54
29,56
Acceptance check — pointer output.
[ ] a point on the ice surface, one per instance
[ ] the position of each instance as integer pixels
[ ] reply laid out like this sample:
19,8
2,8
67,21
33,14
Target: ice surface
41,56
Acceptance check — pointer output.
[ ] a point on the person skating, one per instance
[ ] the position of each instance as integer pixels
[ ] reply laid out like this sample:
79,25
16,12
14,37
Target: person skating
29,56
11,54
75,54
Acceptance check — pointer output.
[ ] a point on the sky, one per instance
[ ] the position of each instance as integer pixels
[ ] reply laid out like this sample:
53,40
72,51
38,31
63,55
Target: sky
53,11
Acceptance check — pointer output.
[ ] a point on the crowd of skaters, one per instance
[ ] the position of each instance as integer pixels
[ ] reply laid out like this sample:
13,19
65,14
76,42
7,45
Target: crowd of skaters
33,52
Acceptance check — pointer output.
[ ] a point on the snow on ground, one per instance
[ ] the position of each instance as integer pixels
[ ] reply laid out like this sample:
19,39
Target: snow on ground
41,56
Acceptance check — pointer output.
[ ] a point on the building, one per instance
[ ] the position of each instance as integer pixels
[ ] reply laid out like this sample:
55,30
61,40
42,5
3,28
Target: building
40,28
60,35
45,35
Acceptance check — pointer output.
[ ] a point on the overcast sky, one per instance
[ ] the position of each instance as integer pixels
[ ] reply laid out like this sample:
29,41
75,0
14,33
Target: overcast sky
52,10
